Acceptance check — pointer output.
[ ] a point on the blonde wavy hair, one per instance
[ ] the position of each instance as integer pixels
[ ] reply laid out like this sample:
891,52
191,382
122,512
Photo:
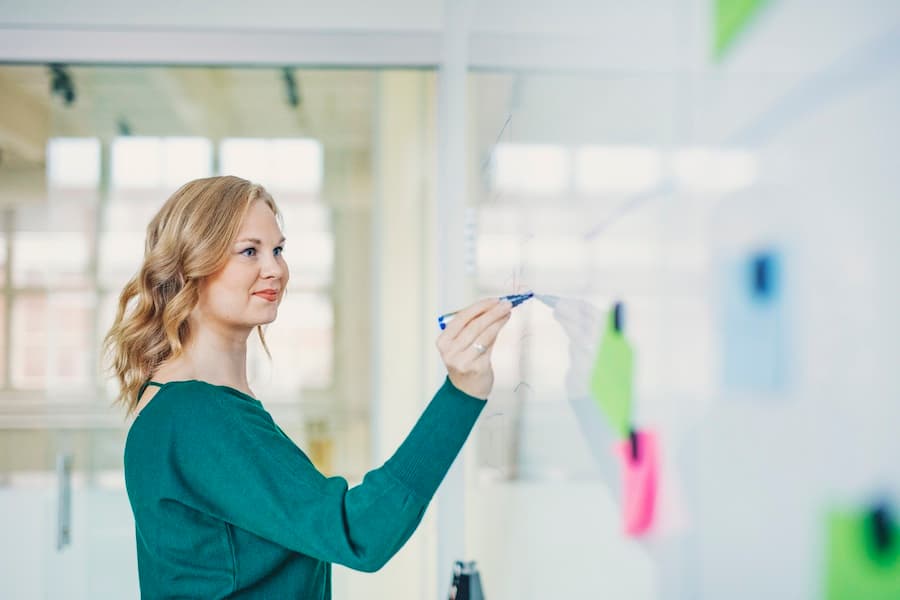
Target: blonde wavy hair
187,241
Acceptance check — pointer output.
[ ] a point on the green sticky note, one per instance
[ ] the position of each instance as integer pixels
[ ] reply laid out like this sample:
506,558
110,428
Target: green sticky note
611,377
732,17
856,567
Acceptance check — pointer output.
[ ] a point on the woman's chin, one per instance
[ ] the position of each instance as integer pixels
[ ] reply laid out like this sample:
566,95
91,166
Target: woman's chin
265,320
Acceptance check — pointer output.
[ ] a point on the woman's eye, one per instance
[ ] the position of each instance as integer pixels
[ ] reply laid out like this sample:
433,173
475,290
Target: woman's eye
251,250
278,250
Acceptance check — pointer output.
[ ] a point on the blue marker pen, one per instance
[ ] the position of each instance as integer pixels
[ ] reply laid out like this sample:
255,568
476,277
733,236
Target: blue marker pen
516,300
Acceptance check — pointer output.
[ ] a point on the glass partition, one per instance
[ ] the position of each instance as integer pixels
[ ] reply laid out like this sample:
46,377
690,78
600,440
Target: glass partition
738,216
107,147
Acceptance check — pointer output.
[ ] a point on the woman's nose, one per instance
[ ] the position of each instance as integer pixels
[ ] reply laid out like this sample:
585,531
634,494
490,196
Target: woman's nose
272,267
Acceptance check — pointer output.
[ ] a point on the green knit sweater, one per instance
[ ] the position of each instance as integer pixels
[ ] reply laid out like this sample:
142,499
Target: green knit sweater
226,506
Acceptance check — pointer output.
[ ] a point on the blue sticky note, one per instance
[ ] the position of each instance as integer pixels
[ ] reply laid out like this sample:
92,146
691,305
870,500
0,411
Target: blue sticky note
753,328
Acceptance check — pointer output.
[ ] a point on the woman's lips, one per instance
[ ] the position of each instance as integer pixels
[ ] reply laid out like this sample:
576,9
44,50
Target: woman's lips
270,296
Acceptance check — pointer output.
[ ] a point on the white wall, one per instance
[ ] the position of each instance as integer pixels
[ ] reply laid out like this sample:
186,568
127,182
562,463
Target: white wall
338,15
571,33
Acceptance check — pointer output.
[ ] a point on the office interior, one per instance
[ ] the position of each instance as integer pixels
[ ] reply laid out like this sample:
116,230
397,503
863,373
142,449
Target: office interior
723,171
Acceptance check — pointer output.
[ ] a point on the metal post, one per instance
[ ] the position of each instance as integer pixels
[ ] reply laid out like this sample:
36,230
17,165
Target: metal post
450,227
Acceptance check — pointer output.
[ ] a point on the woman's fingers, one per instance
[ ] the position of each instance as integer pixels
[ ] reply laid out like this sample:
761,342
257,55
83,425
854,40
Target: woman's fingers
480,324
463,320
470,359
489,336
462,317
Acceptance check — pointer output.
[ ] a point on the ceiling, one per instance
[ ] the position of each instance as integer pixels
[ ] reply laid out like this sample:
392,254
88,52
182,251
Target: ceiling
335,105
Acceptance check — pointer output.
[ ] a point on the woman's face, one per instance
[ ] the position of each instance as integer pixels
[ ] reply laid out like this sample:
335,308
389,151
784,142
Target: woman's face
247,291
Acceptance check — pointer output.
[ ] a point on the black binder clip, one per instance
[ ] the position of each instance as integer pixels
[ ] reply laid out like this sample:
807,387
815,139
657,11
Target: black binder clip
466,583
633,439
764,275
618,316
882,526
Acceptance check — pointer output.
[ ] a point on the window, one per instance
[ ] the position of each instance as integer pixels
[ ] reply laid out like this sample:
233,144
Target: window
290,165
71,256
51,338
159,163
73,163
610,169
531,168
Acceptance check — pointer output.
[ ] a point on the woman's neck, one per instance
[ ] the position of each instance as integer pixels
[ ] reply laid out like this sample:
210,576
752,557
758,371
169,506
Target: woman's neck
216,359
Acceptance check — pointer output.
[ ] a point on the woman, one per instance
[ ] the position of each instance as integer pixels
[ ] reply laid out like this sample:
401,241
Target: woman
225,505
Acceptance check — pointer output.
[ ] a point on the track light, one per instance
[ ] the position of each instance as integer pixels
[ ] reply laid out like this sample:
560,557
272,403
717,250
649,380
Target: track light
291,87
61,83
123,126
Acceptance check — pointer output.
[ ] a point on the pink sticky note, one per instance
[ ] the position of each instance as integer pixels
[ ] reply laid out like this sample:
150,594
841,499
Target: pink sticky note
640,481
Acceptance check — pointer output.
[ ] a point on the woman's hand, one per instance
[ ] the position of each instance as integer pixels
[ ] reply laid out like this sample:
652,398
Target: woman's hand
467,343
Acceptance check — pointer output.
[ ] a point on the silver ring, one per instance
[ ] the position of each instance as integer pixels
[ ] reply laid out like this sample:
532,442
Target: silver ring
479,348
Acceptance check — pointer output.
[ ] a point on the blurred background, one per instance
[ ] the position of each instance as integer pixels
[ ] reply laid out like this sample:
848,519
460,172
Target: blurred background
726,170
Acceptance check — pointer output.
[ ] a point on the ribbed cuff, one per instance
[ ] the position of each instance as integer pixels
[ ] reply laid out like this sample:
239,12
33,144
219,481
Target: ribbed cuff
427,453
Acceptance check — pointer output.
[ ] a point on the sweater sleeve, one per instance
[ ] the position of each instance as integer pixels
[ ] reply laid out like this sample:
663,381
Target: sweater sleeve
235,464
